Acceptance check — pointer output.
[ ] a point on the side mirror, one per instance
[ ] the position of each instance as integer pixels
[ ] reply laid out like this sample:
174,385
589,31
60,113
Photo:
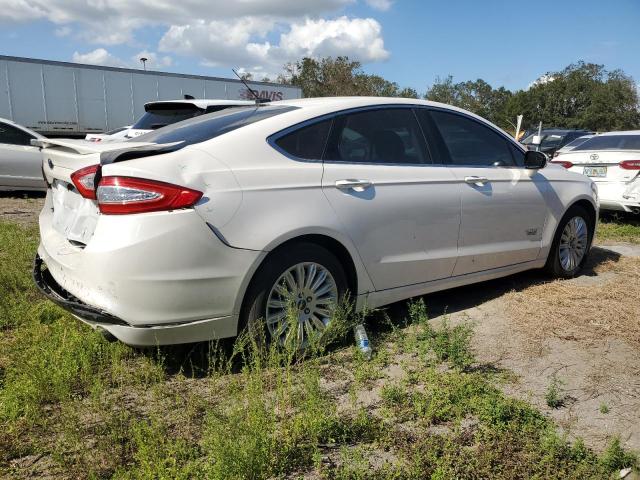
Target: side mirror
534,160
536,140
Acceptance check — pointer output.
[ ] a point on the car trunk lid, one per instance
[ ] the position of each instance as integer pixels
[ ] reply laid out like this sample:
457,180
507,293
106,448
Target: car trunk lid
73,215
602,166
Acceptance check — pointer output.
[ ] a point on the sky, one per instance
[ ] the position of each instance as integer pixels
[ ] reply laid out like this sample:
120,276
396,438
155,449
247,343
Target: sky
410,42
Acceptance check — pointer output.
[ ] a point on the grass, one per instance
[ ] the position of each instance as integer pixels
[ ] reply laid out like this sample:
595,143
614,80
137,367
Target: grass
618,229
75,406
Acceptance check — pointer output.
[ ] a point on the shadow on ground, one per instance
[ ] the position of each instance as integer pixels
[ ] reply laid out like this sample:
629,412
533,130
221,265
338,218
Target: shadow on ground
196,360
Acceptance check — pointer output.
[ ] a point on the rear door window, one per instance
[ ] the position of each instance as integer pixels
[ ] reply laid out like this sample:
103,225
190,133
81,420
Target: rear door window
386,135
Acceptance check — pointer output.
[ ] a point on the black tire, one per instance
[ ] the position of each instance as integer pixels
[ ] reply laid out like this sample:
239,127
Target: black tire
254,304
553,265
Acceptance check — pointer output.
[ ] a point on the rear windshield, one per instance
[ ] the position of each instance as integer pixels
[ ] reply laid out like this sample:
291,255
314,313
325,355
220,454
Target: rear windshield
578,141
158,116
206,127
611,142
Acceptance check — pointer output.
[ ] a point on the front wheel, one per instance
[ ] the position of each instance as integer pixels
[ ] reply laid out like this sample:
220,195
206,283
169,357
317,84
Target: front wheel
294,294
571,243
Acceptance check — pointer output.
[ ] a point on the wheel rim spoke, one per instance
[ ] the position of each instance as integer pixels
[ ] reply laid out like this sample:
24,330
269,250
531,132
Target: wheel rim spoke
306,290
573,243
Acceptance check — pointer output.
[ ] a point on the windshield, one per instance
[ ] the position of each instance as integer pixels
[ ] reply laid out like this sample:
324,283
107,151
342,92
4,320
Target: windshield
552,140
206,127
161,115
548,140
611,142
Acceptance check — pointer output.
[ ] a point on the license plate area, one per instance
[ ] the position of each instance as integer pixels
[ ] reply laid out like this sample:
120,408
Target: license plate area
595,171
74,217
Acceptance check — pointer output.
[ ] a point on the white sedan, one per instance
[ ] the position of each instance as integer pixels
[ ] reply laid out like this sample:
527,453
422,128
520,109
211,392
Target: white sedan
20,162
612,160
214,224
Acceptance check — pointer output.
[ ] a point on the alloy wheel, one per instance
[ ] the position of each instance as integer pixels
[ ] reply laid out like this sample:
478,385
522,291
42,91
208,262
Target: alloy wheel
306,292
573,243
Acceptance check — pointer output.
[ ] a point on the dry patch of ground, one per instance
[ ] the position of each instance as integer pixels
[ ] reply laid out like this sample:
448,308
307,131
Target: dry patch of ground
21,207
580,337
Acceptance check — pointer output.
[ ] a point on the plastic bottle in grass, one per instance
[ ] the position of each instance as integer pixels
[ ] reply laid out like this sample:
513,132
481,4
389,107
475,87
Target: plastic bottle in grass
362,341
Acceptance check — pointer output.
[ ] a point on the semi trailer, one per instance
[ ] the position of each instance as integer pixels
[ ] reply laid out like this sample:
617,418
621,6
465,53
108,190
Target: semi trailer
72,100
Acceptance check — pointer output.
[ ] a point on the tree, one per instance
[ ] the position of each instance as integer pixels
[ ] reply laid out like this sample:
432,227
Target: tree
583,95
339,77
476,96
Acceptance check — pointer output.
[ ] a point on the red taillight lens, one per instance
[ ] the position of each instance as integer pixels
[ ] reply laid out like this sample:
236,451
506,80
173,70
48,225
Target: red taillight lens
564,163
84,180
124,195
630,164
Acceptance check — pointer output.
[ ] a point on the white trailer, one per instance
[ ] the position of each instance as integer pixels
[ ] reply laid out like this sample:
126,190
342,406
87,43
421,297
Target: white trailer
71,99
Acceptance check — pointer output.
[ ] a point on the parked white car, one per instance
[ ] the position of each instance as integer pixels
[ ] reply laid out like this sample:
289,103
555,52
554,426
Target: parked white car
573,144
612,160
210,225
162,113
117,134
20,162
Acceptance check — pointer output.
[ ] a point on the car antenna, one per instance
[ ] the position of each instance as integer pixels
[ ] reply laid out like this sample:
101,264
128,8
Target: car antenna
258,99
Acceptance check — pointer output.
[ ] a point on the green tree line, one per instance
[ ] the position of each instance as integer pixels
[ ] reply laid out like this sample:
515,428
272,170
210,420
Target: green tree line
582,95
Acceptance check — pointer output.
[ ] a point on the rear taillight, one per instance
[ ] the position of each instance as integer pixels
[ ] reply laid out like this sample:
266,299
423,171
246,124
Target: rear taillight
84,180
124,195
630,164
564,163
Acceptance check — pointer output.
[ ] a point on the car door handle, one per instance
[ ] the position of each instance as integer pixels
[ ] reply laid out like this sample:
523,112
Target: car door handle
476,180
357,185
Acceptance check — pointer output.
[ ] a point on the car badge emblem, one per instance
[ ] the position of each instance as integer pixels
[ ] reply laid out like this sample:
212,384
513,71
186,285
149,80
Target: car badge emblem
594,156
50,163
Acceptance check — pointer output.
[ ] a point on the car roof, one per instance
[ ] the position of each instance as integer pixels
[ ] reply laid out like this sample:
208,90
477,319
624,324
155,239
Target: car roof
327,105
622,132
203,102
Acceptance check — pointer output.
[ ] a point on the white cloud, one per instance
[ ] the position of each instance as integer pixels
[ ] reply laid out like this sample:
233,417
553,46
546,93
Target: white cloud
541,80
382,5
238,43
249,33
101,56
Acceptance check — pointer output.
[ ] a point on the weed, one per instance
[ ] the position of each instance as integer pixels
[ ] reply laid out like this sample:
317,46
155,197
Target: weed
554,395
604,408
450,344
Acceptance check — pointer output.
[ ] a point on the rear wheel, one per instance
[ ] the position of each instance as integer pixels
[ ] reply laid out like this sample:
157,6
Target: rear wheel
571,243
294,294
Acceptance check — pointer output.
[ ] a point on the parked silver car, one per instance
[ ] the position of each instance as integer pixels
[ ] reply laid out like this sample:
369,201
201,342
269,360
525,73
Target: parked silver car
20,162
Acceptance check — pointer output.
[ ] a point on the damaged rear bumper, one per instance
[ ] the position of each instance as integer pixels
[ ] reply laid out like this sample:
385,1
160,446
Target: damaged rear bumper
54,292
139,336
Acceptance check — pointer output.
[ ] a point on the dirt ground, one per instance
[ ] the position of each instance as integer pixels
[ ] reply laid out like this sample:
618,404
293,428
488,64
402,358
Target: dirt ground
20,207
596,368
